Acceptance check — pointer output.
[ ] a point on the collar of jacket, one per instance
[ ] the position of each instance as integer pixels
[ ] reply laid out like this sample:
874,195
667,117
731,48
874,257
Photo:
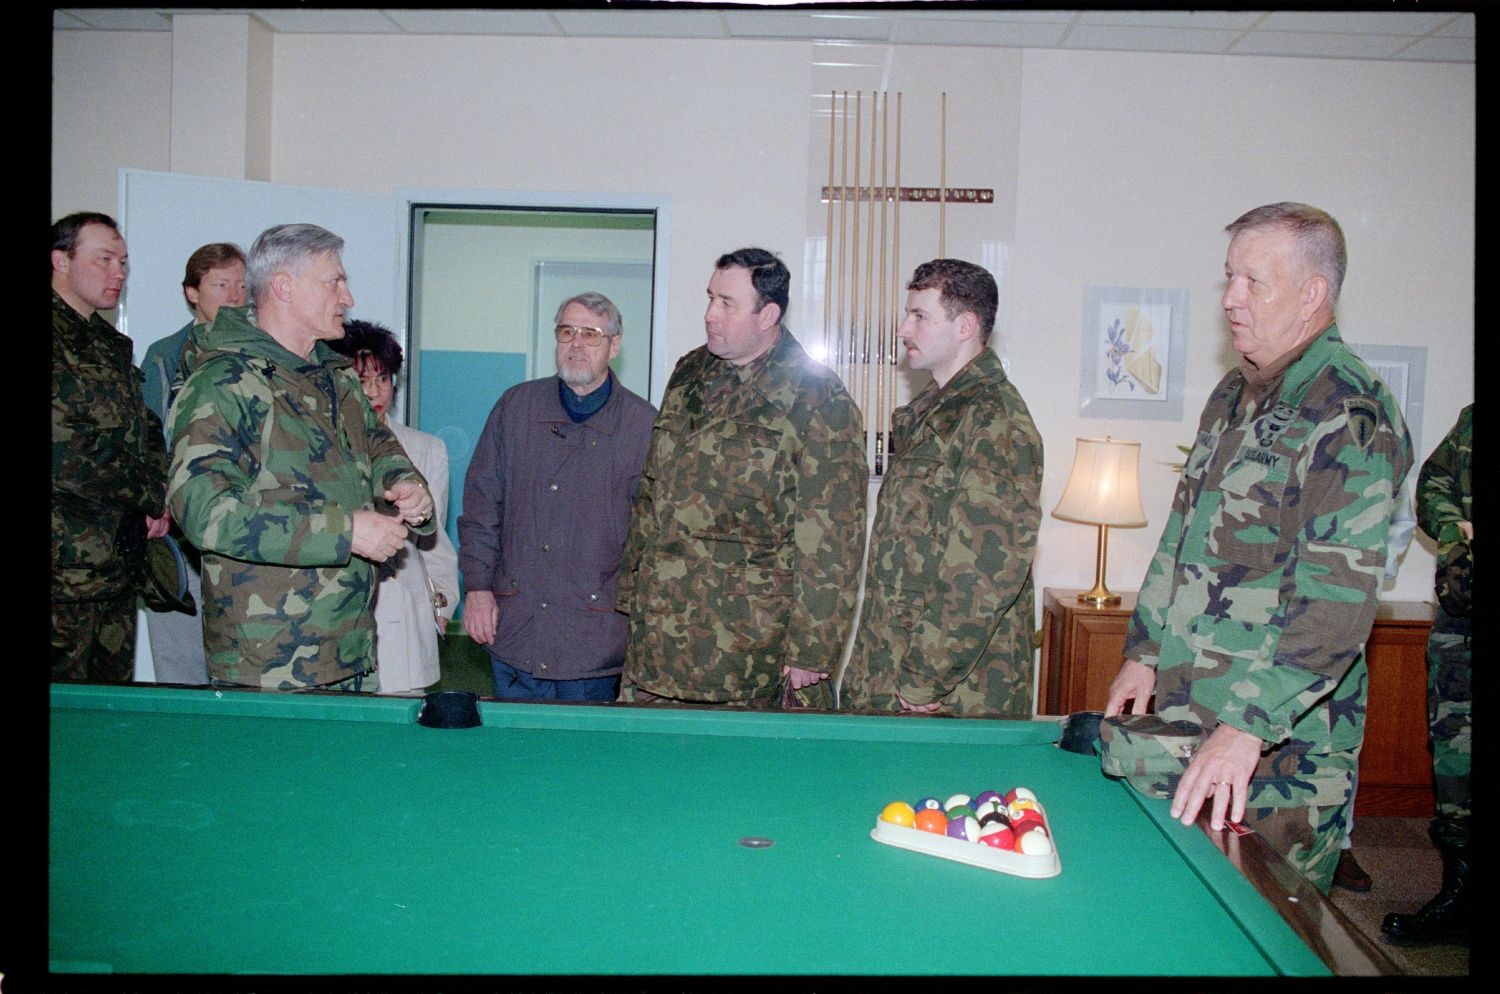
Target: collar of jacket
981,373
89,327
779,381
234,330
1299,375
606,420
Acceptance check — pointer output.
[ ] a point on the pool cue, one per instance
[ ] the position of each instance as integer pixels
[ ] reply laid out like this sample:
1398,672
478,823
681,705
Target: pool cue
835,359
880,324
943,181
828,239
870,284
850,330
890,371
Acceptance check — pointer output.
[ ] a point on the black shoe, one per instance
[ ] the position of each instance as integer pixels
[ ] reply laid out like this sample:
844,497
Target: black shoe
1446,916
1349,874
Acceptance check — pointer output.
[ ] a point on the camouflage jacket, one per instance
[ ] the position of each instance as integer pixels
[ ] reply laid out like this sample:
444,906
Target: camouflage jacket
948,600
1445,496
109,463
1260,596
271,456
746,529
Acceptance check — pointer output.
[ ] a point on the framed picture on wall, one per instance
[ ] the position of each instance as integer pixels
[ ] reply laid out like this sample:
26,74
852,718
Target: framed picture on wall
1134,353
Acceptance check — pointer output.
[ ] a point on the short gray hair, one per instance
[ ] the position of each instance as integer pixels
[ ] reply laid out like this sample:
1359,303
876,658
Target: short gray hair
286,247
597,304
1319,239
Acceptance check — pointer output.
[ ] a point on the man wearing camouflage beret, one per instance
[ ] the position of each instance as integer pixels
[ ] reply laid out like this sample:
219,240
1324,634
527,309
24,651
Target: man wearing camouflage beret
1254,612
947,619
278,464
745,536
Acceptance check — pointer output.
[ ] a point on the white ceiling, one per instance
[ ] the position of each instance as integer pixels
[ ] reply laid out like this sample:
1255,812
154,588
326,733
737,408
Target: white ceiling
1424,35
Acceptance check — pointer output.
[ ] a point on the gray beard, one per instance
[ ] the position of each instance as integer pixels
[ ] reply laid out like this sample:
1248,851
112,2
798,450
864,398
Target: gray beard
577,378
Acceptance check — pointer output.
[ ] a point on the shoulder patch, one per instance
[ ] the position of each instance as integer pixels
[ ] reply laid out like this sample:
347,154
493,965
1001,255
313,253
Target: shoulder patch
1362,417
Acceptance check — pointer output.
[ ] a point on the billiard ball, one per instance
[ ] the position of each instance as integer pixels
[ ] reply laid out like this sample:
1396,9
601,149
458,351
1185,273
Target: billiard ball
931,820
962,811
1034,842
929,804
1001,838
985,796
957,801
982,808
899,813
1019,792
1021,804
993,818
1027,817
965,828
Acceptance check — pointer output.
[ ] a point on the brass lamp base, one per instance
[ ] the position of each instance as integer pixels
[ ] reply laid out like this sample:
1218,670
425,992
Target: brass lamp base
1099,595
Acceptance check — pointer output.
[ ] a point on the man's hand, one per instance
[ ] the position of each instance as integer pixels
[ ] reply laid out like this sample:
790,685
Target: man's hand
157,527
1135,682
918,708
377,537
481,616
412,500
1221,768
799,678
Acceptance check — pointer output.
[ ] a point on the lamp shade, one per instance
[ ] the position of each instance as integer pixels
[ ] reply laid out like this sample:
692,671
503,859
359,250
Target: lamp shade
1104,487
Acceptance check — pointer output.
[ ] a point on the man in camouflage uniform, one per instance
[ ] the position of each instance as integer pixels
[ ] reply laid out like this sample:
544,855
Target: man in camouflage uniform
947,618
278,464
1445,510
744,546
108,459
1253,615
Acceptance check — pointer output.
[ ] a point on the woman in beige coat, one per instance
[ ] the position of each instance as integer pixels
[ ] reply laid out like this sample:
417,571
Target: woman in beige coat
418,590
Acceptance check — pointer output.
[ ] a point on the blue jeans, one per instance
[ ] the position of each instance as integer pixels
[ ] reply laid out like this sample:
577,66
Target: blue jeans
512,684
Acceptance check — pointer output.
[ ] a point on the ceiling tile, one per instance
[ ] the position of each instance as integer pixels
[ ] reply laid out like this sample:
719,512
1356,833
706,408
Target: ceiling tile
1440,50
1149,39
641,23
63,21
327,21
1462,26
1370,22
1314,45
982,14
1223,20
483,22
119,18
807,24
1004,33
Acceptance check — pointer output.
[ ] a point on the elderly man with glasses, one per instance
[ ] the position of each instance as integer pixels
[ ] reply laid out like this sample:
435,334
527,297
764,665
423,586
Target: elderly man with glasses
546,510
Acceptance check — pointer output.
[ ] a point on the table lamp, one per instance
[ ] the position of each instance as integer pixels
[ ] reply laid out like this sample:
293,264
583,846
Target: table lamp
1104,489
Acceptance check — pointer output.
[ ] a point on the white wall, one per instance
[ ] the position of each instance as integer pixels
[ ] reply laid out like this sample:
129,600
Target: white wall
1131,166
1109,168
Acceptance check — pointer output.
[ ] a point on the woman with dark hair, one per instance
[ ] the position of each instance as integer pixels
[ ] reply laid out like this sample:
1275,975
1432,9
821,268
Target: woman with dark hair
419,585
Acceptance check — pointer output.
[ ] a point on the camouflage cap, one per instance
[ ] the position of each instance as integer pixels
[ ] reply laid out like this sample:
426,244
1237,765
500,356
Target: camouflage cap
1150,752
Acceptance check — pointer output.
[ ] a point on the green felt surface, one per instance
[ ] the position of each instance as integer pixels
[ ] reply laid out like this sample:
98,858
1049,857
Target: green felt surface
193,831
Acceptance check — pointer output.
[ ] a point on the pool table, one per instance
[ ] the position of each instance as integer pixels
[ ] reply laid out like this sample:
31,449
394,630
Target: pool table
205,831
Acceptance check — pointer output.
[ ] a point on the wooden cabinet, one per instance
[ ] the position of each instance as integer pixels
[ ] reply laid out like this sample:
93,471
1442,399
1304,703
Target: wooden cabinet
1082,646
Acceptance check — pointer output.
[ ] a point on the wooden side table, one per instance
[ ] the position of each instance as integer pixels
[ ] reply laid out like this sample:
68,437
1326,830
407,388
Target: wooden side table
1082,646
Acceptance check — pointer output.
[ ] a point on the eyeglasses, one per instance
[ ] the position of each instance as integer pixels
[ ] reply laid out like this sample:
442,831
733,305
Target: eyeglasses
592,337
368,366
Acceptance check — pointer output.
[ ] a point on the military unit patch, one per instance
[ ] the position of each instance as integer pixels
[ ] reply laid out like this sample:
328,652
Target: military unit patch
1363,418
